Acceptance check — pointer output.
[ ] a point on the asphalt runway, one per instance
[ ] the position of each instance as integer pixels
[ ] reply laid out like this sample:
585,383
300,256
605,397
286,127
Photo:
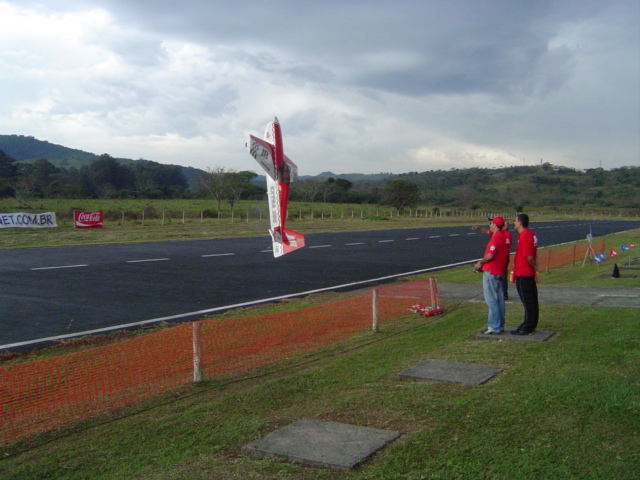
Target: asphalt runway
49,293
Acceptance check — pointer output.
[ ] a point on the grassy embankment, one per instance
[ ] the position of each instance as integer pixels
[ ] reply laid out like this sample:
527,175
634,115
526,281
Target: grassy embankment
567,408
159,220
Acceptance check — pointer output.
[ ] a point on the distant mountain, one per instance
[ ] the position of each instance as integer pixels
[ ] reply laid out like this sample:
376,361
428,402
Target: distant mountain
28,149
352,177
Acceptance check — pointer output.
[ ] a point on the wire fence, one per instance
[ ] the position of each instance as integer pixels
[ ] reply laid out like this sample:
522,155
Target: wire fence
41,395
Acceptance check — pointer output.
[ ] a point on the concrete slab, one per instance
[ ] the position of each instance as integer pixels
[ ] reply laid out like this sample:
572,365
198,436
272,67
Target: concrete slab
537,336
466,373
322,443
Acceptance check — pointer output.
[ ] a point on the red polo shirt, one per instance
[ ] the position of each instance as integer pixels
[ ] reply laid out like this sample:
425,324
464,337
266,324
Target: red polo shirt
499,246
527,245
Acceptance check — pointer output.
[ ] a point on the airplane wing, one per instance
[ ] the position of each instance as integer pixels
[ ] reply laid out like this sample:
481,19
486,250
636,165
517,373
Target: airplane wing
293,169
264,154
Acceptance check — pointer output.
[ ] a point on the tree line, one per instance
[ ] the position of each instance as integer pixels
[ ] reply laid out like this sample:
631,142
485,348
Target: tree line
472,188
106,177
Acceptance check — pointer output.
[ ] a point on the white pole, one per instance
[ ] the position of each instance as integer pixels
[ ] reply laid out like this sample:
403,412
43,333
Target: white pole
183,217
433,290
197,351
374,307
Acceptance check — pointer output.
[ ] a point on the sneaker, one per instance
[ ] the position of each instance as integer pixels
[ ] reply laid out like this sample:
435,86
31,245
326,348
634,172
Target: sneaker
490,331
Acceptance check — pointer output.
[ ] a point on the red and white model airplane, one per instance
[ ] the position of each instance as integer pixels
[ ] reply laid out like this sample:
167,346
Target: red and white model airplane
280,170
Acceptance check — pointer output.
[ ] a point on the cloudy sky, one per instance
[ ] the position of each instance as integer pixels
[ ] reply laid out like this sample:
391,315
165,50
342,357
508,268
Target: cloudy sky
358,86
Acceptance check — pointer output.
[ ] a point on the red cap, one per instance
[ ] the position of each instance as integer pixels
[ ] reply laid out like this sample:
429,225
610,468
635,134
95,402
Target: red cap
499,221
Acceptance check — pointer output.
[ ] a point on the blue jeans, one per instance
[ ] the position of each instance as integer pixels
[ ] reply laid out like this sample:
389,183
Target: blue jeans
492,285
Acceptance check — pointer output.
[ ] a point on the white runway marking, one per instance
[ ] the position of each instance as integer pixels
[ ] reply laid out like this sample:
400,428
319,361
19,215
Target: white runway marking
321,246
413,238
218,255
62,266
148,260
356,243
385,241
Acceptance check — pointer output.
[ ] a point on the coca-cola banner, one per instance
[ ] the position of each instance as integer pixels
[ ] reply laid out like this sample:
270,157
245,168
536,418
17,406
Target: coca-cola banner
89,219
28,220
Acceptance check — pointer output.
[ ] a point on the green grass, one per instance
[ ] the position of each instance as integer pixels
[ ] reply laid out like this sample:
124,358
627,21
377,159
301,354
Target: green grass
168,220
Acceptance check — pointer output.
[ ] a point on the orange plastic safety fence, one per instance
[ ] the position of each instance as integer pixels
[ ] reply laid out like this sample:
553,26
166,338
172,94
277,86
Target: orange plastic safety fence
44,394
572,254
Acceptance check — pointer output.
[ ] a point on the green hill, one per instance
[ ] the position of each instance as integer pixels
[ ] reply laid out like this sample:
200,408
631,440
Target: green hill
27,149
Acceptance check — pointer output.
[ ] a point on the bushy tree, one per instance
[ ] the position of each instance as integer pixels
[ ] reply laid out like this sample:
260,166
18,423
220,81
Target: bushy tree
8,168
401,194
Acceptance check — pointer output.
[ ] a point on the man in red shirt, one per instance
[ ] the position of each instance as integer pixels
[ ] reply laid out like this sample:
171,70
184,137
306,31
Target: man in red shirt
493,265
525,271
506,231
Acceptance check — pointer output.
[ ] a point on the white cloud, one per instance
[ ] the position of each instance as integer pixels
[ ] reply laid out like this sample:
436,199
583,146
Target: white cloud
358,86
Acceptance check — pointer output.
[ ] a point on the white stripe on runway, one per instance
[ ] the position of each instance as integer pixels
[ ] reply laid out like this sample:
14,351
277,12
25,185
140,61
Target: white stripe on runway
62,266
148,260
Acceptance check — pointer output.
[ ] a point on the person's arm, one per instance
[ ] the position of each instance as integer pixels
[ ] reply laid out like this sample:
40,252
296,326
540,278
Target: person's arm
533,265
482,229
486,259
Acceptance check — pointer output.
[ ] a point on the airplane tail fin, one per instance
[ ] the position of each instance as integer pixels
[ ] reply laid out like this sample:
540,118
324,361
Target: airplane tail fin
283,244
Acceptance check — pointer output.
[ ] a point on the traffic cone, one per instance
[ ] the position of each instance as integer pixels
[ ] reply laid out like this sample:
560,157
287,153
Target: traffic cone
616,272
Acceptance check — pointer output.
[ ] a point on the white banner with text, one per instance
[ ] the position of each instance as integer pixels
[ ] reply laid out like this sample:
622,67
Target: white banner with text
28,220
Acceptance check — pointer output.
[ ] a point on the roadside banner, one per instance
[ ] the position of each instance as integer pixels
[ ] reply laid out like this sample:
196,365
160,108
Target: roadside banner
28,220
89,219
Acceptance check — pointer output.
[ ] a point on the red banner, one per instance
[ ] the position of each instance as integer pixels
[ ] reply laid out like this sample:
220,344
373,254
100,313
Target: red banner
89,219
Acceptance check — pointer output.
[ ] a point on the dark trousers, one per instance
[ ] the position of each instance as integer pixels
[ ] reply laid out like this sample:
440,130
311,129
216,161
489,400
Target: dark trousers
528,293
505,284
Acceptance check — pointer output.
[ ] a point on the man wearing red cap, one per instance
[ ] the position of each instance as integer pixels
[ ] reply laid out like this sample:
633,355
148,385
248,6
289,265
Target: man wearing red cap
493,265
505,229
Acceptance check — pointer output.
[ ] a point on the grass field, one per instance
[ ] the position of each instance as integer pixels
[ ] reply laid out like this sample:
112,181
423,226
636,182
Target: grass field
568,408
166,220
